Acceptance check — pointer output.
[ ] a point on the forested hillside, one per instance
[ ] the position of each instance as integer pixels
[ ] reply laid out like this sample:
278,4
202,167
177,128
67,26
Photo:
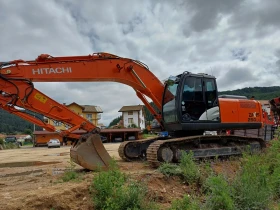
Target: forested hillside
260,93
12,124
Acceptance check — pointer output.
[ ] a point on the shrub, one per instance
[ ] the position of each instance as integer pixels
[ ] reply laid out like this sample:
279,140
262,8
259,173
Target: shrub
145,131
190,170
113,190
1,141
218,193
186,203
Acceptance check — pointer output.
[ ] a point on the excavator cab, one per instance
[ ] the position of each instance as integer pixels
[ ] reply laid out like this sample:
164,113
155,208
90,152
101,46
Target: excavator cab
194,105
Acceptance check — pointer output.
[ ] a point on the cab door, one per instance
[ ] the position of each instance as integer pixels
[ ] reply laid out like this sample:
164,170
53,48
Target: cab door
211,100
199,100
192,100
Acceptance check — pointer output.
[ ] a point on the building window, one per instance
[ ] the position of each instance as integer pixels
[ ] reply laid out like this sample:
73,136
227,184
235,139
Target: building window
130,113
89,116
57,123
130,120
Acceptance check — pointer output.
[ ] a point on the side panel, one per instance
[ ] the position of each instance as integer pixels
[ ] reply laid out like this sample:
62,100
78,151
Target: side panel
239,110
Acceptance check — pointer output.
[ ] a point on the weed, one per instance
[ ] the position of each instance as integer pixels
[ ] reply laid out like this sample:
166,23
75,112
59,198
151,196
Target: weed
70,173
112,189
205,171
272,160
251,187
275,182
169,169
189,168
186,203
272,157
218,193
10,146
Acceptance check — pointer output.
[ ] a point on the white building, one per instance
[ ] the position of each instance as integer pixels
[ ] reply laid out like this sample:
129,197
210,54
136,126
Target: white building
133,115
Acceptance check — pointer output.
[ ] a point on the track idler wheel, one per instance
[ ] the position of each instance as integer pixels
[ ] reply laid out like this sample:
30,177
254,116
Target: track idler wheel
165,154
90,153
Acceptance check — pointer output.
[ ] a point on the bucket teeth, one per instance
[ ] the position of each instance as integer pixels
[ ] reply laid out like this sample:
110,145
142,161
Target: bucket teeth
90,153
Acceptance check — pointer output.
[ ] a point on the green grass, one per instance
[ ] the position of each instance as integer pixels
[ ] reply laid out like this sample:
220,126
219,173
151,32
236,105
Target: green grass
145,136
27,144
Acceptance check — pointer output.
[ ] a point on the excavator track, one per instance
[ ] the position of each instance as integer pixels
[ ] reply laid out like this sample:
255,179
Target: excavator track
135,150
202,147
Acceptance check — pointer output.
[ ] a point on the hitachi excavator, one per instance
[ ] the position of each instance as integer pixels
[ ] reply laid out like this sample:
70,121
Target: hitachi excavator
189,105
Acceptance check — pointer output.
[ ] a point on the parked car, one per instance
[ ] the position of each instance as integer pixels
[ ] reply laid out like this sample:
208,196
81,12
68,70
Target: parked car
53,143
131,138
103,138
118,139
10,139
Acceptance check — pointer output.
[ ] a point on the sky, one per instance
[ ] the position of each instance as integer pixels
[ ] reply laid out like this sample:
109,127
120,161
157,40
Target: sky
237,41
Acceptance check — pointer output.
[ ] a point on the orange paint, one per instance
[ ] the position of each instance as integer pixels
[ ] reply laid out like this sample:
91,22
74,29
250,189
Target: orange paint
42,139
240,110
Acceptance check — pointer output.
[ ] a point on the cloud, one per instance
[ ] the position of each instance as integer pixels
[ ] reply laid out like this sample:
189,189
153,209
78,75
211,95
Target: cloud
237,41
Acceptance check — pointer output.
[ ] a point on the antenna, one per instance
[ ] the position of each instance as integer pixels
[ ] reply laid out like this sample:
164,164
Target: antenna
211,71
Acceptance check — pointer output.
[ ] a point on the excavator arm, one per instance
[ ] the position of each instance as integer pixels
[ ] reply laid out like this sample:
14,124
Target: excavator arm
26,116
17,89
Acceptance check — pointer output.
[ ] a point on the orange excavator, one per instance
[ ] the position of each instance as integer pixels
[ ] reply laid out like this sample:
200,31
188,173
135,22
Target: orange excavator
189,105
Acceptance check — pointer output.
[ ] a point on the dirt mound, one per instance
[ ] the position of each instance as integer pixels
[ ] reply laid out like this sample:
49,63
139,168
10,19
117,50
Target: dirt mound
58,197
163,189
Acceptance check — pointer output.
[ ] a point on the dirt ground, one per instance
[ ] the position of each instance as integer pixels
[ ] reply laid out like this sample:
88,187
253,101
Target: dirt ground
29,179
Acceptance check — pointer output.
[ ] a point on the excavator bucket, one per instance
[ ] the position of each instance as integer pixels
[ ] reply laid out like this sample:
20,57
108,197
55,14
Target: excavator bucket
90,153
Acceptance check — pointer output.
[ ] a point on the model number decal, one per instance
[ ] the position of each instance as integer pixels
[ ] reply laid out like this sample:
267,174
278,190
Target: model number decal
253,116
40,98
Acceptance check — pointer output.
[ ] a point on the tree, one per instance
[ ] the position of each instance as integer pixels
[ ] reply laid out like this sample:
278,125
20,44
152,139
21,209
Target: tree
115,121
132,126
28,131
